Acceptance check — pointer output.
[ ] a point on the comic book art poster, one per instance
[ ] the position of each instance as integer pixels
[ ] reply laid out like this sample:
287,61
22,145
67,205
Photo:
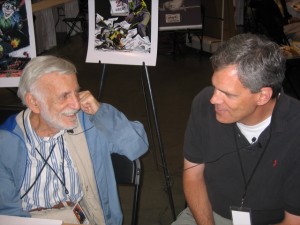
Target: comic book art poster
17,43
123,32
179,14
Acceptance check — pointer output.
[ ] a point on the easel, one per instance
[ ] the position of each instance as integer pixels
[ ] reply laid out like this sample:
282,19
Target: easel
148,96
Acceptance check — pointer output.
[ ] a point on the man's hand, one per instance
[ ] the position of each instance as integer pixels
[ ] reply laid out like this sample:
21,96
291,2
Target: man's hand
88,103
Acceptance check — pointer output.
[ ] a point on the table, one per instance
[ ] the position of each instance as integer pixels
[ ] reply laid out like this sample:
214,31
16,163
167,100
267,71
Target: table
47,4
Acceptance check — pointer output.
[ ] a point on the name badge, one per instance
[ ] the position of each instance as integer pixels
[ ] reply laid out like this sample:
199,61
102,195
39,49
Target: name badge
240,215
80,214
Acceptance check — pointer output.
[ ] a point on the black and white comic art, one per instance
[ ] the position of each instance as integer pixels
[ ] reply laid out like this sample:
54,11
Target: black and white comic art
123,32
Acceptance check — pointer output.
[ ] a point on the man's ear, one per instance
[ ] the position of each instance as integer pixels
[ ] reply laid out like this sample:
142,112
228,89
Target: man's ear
265,95
32,103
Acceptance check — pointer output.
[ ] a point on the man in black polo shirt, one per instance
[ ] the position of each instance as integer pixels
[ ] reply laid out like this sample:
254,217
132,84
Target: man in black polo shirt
242,142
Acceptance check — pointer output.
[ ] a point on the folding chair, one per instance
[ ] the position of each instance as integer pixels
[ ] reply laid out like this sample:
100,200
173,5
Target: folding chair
128,172
78,24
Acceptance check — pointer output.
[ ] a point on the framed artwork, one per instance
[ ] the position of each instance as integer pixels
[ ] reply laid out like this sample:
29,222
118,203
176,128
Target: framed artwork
123,32
17,43
179,14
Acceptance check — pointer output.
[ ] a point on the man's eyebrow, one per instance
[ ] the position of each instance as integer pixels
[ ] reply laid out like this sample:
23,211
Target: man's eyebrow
226,92
69,92
65,93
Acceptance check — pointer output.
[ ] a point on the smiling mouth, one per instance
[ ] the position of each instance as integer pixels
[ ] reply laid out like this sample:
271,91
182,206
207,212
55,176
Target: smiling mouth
71,115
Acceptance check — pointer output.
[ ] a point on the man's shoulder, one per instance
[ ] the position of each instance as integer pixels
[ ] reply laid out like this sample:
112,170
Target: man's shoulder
9,124
11,142
201,104
204,95
287,111
11,131
289,104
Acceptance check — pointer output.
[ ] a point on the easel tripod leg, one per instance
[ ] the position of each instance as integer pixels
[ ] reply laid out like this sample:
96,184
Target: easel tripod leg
163,159
149,122
102,82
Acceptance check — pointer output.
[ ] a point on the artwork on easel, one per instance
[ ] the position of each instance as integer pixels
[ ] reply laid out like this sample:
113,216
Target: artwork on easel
123,32
17,43
179,14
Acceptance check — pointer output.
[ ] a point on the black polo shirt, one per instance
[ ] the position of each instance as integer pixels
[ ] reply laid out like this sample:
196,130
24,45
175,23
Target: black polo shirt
275,185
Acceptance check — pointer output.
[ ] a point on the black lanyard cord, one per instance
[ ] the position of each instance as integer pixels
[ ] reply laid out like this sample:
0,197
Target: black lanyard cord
62,181
39,174
63,167
255,167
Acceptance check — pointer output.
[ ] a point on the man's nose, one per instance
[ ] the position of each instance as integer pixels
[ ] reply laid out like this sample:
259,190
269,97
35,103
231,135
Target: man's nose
216,98
75,101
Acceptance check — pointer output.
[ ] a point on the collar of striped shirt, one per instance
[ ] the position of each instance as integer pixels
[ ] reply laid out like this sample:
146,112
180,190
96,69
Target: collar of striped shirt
45,183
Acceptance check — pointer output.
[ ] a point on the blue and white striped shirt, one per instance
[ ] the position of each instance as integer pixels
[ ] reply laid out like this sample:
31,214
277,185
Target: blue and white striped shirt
48,189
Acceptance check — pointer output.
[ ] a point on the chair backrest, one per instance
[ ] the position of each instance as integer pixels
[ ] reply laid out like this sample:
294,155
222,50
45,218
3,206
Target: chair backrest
128,172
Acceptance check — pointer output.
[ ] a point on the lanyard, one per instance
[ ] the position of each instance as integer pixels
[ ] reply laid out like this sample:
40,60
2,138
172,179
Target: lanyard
255,167
63,180
40,172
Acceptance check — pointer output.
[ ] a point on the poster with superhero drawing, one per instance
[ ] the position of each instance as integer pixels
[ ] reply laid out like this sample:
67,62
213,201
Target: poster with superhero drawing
17,44
123,32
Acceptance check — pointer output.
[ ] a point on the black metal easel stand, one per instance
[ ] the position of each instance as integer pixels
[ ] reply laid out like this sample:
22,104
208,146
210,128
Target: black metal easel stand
152,118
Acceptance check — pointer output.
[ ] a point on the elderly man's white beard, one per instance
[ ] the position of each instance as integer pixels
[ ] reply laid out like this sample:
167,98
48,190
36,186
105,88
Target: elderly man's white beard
56,121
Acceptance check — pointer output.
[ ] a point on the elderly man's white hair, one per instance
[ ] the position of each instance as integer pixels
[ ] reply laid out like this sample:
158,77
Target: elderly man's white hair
38,67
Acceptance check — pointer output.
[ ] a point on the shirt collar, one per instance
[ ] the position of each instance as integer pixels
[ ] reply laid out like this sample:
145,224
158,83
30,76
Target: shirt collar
32,136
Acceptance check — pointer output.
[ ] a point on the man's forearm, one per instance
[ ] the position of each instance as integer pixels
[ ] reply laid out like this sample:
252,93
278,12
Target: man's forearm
198,202
199,205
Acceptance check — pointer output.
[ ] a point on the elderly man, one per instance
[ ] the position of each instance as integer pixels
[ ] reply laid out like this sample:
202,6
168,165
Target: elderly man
242,146
55,155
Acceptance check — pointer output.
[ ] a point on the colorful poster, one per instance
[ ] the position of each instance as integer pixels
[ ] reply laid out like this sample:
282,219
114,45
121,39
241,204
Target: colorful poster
180,15
17,43
123,32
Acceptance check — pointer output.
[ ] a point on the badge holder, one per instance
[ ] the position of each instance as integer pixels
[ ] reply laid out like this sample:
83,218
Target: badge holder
240,215
80,214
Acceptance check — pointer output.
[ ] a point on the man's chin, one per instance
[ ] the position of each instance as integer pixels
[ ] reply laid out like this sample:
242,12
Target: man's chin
67,125
222,119
70,122
71,127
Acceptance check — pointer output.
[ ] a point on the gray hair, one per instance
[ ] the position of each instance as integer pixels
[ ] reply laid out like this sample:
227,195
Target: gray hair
259,61
38,67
